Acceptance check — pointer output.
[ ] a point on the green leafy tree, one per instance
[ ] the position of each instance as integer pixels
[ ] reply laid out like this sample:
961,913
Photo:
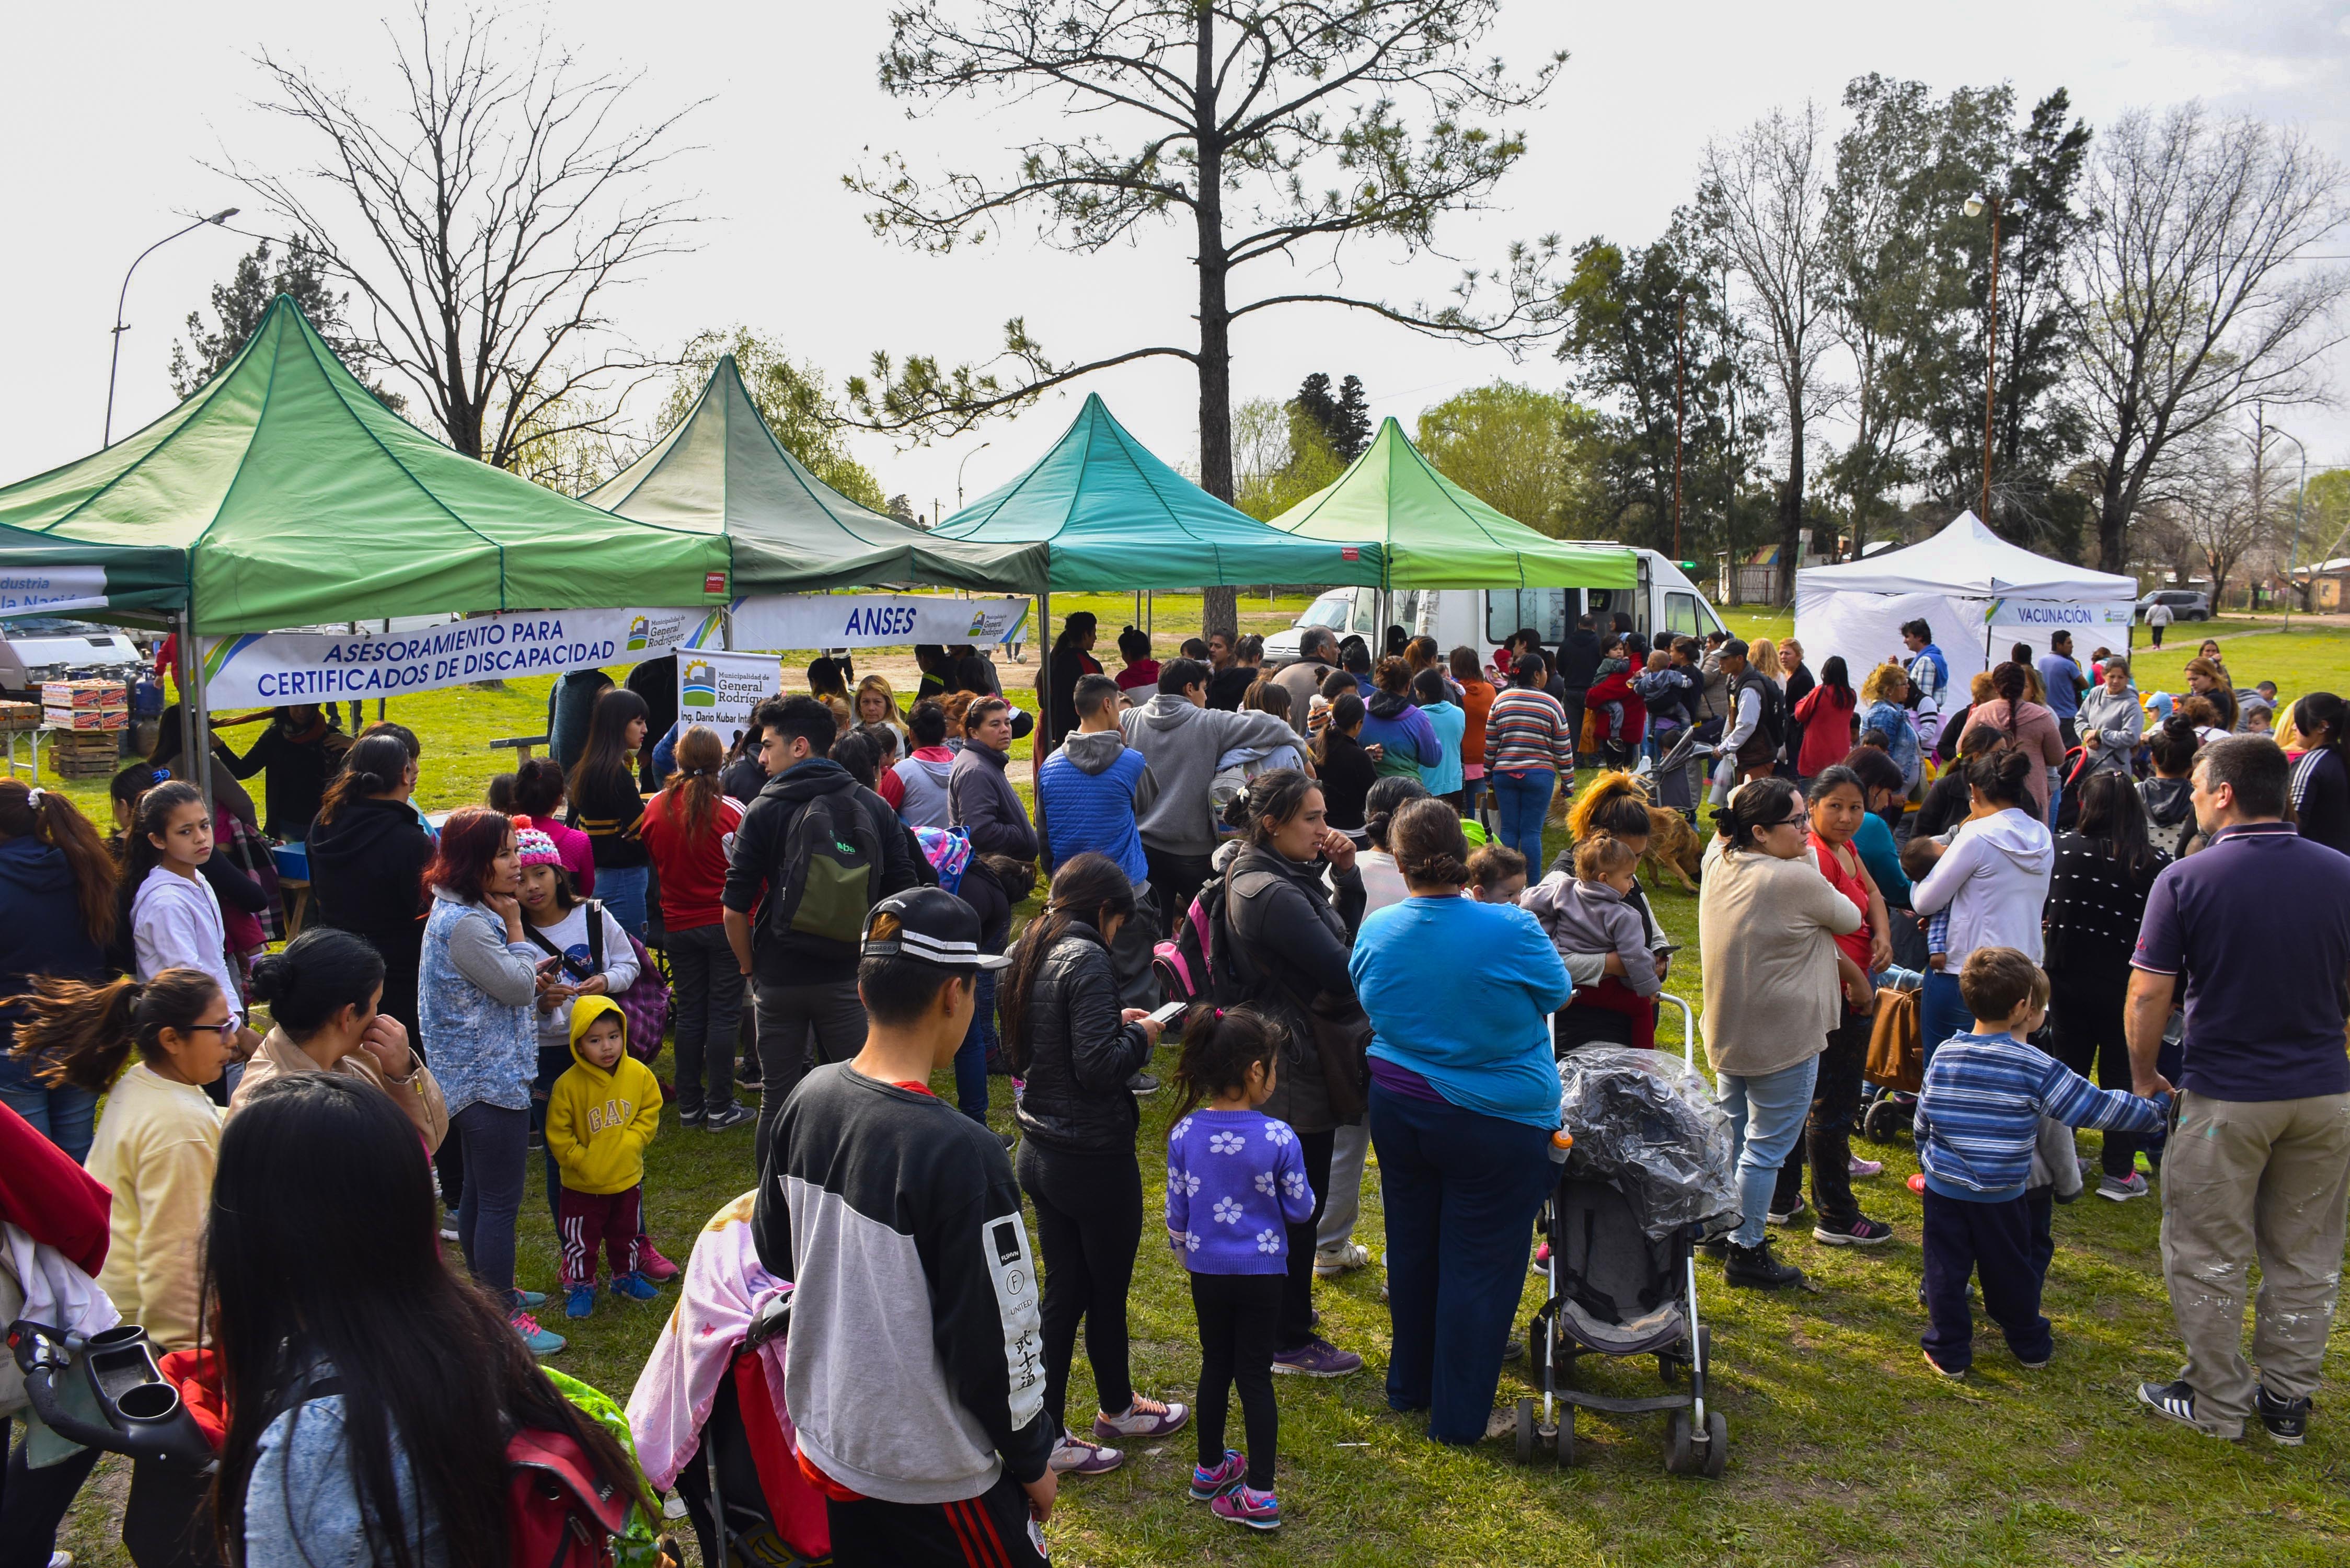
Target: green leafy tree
1531,454
1281,455
1270,131
792,397
239,305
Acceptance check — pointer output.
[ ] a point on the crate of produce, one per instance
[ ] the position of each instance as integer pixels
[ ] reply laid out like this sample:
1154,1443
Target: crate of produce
20,715
85,694
86,718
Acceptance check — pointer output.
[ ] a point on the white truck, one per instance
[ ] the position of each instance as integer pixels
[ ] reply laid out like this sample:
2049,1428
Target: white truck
1662,603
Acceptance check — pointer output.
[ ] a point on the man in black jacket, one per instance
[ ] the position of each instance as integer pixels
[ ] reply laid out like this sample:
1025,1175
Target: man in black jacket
1579,653
805,980
915,1368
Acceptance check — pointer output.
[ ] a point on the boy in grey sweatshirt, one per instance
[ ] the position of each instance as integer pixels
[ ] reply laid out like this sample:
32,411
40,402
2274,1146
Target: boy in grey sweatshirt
1181,738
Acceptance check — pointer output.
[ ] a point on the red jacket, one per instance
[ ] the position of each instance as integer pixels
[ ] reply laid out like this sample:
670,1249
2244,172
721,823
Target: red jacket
1617,688
49,1198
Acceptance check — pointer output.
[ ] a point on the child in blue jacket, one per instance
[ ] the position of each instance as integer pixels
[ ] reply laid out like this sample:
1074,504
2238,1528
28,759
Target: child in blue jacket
1978,1120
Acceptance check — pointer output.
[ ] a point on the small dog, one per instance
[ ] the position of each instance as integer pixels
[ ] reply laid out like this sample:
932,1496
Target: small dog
1672,846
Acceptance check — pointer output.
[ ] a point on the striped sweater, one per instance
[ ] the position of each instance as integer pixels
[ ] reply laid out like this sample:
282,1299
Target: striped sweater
1979,1113
1527,729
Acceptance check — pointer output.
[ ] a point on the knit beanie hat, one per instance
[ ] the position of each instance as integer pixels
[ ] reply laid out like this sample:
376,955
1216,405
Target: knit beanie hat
531,844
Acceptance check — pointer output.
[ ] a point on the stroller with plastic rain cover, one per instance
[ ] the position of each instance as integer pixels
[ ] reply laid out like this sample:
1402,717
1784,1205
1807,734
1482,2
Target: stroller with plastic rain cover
1650,1173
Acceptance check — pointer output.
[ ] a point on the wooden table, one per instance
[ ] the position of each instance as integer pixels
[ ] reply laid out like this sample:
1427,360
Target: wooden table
297,905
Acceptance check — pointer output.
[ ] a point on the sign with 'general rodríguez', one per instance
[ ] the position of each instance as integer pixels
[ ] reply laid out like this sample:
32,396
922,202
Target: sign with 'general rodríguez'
281,668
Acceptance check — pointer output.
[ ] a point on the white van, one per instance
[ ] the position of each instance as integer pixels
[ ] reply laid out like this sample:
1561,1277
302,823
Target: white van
1663,603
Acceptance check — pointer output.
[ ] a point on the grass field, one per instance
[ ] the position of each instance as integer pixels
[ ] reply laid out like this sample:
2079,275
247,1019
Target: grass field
1845,1448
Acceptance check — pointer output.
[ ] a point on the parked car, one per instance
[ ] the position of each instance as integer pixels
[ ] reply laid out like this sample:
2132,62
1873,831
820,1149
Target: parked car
33,648
2185,603
1663,603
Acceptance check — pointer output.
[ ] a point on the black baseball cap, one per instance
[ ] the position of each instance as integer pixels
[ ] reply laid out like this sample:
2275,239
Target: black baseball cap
929,924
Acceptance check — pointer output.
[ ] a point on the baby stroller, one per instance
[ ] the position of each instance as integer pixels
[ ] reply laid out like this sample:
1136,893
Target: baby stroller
1650,1170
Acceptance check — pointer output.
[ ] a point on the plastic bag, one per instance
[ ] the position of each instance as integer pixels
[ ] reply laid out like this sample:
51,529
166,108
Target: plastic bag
1647,1125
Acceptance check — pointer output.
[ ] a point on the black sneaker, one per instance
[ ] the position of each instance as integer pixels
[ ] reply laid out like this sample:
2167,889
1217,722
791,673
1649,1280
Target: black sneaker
2287,1420
1778,1216
1142,1084
732,1116
689,1118
1859,1232
2173,1401
1755,1266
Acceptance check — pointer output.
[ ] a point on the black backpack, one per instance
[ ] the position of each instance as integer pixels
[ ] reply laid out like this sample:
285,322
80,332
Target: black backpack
828,876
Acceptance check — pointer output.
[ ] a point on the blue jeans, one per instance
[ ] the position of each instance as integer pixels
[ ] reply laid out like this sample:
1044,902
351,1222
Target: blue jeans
1460,1191
1941,1011
622,889
498,1144
1767,1112
971,1056
1521,799
64,1116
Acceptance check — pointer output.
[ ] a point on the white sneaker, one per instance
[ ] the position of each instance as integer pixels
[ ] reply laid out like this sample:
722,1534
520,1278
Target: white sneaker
1338,1260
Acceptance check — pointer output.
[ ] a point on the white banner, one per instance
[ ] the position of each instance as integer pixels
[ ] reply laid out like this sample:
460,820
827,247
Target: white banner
52,590
279,667
780,621
720,689
2106,622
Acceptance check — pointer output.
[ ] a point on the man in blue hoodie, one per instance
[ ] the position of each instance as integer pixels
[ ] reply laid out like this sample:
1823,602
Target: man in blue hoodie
1978,1120
1090,795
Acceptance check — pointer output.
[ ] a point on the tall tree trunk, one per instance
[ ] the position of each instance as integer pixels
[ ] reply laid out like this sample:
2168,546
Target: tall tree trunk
1221,605
1791,500
2112,516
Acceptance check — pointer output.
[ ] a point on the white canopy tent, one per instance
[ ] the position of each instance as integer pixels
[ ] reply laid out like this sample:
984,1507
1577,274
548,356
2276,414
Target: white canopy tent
1979,592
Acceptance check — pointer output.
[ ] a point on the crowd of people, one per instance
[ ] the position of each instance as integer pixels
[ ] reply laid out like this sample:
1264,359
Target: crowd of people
2077,892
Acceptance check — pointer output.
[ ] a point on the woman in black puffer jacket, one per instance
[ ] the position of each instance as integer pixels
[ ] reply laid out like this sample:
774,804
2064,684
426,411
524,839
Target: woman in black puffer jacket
1076,1048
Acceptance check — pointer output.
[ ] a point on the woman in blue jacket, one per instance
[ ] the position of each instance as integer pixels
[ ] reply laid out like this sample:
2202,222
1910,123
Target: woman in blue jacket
1463,1099
57,914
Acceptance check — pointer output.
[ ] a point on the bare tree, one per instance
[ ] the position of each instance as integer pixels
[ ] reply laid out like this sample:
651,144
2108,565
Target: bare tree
484,218
2214,512
2193,299
1270,127
1765,195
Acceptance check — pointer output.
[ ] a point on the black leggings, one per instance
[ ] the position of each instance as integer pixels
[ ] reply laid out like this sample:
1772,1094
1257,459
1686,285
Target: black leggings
1237,1314
1826,1143
2086,1015
1297,1295
1090,1226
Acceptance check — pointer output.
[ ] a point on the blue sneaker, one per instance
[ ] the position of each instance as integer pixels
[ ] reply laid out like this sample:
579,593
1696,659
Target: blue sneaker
540,1342
1207,1485
528,1300
636,1287
579,1300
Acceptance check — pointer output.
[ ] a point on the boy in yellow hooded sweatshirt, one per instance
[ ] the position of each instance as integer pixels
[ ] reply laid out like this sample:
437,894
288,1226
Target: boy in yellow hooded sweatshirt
600,1115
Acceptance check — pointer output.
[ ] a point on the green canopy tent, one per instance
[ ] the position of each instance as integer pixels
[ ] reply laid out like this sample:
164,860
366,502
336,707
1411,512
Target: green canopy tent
1439,536
1111,518
283,494
720,471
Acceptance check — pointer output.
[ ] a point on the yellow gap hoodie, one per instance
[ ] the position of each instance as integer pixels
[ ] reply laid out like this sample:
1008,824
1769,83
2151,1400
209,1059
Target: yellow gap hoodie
599,1123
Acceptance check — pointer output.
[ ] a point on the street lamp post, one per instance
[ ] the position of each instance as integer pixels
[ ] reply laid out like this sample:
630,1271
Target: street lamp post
966,458
1975,205
116,362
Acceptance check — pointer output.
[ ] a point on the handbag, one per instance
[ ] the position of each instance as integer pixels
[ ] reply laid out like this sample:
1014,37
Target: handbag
645,1004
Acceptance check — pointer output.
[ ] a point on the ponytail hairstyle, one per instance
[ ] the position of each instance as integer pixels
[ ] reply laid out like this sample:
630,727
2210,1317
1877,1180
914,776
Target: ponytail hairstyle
155,809
1219,1048
46,817
2001,774
2010,683
1087,888
73,1033
1754,806
1429,845
1271,799
1386,798
1392,676
538,788
315,977
1602,855
1133,644
378,766
2174,745
700,757
1615,803
2321,711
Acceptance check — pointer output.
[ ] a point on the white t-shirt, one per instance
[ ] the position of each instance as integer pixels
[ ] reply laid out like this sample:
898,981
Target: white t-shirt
175,923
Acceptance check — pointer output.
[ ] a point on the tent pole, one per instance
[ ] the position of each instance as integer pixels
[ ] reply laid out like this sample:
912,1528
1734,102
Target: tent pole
196,724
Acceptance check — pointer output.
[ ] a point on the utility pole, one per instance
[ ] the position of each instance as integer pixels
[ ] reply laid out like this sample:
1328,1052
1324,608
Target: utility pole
1991,361
1680,400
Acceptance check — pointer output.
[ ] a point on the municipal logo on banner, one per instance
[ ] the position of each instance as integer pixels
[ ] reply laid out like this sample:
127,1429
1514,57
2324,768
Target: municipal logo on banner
638,628
700,685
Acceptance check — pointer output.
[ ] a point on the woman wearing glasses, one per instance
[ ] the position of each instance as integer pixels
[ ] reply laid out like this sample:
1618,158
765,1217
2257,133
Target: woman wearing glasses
1767,922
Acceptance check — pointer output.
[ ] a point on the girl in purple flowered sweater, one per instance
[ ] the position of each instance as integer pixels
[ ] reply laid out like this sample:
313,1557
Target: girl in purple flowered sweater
1235,1183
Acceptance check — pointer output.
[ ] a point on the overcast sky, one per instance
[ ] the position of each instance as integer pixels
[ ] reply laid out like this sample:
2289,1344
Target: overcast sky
113,111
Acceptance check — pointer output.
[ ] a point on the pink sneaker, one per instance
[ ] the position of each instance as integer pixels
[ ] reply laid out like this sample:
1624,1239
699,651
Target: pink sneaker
1246,1505
1858,1166
1207,1485
652,1266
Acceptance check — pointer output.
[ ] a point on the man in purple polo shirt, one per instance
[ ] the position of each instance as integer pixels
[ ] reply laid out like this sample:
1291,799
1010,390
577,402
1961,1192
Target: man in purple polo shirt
2257,923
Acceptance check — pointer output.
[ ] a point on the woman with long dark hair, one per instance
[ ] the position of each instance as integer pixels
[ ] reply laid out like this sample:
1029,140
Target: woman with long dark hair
368,852
325,991
478,985
1826,713
2025,726
1075,1048
2321,780
1056,682
299,749
370,1393
57,916
2104,869
1993,877
156,1143
688,829
607,806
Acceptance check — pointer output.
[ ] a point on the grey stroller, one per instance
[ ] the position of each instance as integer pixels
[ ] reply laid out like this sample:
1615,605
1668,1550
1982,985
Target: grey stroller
1651,1172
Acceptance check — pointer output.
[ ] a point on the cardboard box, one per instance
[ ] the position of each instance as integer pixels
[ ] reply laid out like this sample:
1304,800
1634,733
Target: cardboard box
79,719
79,695
19,715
